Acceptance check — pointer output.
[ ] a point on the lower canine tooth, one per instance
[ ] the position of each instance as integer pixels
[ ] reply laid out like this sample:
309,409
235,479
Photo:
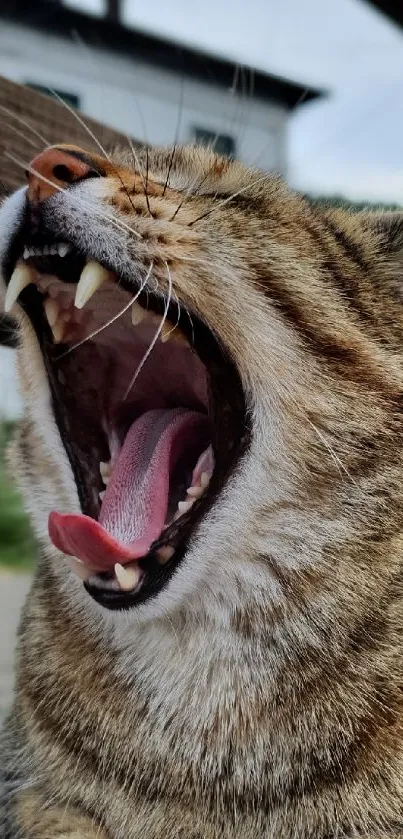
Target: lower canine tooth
128,578
92,277
22,276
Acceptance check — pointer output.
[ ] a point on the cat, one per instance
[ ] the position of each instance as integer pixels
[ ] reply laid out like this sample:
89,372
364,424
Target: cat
211,454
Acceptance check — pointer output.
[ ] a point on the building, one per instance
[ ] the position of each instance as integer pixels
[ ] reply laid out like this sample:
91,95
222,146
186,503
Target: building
139,85
148,88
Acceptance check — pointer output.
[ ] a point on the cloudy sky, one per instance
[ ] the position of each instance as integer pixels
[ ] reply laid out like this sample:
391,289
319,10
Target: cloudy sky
352,142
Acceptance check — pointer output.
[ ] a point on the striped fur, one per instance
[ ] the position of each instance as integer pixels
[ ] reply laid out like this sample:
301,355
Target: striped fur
261,695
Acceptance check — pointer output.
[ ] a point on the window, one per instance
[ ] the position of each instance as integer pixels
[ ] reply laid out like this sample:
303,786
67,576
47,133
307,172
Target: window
221,143
70,98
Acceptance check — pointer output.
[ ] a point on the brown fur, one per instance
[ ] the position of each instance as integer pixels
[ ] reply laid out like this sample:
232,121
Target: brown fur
267,702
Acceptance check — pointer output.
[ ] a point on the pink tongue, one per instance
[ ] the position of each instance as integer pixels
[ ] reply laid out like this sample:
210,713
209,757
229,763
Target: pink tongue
135,506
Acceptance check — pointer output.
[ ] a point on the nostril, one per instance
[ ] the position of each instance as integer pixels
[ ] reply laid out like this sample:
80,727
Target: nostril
63,173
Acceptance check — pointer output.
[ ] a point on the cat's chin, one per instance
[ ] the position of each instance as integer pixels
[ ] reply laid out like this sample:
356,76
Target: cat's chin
150,410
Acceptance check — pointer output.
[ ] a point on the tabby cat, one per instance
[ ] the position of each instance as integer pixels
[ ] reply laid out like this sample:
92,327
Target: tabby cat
212,456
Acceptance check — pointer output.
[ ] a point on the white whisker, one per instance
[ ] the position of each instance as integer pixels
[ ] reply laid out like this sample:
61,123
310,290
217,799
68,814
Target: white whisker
109,322
230,198
27,124
33,143
119,224
179,313
81,122
96,141
156,336
137,163
339,464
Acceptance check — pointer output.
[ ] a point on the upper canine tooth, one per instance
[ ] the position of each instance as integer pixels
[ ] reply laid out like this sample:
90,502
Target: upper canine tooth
138,313
22,276
63,249
92,277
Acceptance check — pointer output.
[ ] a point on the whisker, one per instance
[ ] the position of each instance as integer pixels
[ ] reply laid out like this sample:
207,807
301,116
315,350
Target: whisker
156,336
137,163
80,121
190,192
120,225
147,167
177,130
227,200
109,322
21,134
27,124
339,464
191,324
95,139
179,314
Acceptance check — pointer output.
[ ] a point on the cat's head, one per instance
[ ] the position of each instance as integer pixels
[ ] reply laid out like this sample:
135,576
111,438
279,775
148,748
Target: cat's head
207,353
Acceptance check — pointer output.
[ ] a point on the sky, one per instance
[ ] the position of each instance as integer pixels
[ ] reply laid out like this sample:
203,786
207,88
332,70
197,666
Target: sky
349,142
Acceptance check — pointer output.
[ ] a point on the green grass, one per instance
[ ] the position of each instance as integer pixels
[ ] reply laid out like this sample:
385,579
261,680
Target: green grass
17,544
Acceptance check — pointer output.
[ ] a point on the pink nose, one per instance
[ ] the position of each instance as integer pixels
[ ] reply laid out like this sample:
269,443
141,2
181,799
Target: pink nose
55,169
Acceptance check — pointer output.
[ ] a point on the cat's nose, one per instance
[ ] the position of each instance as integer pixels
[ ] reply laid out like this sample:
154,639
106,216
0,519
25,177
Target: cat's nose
55,169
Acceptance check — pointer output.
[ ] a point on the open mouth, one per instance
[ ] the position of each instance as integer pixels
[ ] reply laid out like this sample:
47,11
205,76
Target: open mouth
149,407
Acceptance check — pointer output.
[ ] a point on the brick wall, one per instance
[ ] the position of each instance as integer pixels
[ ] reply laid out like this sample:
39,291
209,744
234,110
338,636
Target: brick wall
29,121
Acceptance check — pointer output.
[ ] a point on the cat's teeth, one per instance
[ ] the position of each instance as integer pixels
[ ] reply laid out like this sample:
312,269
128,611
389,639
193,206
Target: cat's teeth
138,313
184,506
195,491
63,249
166,332
58,330
92,277
165,553
102,494
51,310
205,479
22,276
105,470
128,577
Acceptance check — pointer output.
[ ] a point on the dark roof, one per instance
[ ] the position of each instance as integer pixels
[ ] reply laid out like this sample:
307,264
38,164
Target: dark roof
105,32
391,8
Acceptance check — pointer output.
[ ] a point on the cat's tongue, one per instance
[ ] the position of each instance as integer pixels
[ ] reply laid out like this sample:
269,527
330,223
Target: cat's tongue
135,505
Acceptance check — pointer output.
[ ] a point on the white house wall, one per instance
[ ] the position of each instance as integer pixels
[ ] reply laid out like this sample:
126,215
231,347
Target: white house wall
144,100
